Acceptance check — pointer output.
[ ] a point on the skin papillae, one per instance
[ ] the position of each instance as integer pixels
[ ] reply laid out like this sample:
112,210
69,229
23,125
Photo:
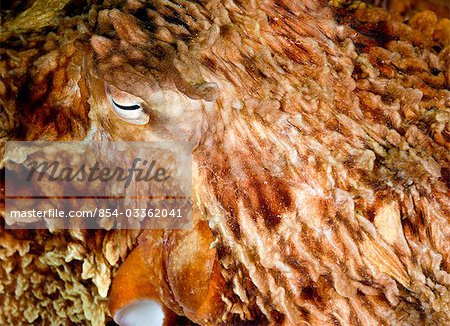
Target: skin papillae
321,165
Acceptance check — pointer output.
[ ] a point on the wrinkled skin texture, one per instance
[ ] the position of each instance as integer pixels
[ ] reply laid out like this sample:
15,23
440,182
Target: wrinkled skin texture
321,140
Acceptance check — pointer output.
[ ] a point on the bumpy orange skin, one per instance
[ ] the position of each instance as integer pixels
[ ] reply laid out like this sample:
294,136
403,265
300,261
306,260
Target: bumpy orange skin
320,135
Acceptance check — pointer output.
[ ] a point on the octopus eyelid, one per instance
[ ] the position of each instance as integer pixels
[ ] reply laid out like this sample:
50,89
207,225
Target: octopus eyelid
126,107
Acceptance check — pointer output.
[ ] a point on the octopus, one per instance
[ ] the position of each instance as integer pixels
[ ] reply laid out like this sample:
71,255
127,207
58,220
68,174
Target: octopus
320,134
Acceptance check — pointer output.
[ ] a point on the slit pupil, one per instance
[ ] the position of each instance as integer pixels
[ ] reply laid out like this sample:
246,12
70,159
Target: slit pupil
126,107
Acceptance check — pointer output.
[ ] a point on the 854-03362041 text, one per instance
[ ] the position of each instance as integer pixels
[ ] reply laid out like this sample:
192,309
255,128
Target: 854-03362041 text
99,212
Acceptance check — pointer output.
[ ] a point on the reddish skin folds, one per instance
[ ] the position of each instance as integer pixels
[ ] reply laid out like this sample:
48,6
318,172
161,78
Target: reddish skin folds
177,268
131,283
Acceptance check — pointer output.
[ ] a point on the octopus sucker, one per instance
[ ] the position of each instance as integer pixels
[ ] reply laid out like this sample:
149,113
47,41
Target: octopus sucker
320,134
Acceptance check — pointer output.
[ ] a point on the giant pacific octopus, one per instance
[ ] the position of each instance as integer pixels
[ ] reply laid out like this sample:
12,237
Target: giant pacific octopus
321,166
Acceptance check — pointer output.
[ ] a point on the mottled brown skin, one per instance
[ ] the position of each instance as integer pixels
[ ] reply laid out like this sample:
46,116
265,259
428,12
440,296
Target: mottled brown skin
321,139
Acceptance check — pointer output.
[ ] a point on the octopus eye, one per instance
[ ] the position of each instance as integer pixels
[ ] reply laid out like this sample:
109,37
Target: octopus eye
126,106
